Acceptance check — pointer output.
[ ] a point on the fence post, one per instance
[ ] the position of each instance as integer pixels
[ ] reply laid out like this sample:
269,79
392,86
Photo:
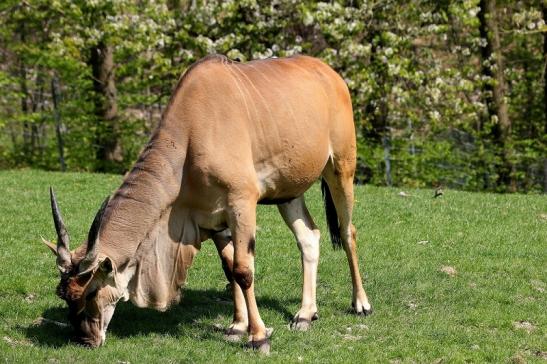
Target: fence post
387,157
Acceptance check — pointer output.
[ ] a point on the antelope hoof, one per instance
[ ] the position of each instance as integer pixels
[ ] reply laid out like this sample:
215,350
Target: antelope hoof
362,310
234,335
262,346
302,323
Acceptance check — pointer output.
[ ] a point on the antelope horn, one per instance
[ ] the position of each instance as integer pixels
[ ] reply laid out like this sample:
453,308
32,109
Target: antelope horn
64,261
93,240
50,245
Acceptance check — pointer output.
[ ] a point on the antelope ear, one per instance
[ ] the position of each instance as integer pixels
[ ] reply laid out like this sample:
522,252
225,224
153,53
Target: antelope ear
50,245
106,265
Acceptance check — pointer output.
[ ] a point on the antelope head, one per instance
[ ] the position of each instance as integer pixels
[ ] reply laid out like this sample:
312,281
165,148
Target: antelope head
87,284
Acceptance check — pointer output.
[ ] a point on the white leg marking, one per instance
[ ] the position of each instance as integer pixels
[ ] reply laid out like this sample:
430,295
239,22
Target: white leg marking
297,217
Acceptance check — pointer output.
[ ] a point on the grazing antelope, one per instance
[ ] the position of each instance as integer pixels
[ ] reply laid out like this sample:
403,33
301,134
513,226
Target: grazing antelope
233,135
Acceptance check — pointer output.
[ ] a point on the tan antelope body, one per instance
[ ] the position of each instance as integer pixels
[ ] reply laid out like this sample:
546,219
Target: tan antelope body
234,135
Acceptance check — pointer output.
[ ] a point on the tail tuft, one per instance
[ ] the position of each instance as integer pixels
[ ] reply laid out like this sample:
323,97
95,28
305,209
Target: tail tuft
332,217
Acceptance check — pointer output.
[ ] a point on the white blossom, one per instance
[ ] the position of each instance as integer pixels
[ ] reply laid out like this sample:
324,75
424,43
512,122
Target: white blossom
435,115
472,12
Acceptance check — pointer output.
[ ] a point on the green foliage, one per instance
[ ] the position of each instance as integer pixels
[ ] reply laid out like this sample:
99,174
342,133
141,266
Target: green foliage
491,310
414,70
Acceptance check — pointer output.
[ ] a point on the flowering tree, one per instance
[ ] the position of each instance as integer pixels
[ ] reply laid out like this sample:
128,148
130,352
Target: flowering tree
444,93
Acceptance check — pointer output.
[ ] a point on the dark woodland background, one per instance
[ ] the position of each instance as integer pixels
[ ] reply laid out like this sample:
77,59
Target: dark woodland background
445,93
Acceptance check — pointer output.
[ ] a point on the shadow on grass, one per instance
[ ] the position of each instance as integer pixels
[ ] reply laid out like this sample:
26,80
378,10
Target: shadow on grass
129,320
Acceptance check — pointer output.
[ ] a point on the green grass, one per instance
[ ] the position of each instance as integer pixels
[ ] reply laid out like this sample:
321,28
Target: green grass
496,243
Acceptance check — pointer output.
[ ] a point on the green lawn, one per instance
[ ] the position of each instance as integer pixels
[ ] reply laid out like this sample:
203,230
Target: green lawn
491,309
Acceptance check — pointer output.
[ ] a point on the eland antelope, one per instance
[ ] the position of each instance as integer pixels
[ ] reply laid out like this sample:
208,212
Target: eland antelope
233,135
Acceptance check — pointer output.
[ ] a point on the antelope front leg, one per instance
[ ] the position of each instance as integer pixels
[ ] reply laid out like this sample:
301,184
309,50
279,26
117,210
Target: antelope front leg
242,222
240,323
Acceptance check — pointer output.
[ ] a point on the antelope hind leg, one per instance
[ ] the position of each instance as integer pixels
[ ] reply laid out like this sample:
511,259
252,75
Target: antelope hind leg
298,219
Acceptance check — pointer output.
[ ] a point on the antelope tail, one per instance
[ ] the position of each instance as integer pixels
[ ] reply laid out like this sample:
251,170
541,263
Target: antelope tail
332,217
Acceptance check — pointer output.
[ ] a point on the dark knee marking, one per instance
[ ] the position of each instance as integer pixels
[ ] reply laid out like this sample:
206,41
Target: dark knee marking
252,244
243,277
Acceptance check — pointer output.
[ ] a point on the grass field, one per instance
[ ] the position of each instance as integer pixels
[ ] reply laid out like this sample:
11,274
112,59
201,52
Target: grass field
460,278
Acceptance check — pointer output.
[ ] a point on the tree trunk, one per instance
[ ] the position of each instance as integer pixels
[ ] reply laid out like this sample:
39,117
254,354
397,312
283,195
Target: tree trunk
38,107
109,151
376,110
24,97
495,90
58,128
544,9
376,130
